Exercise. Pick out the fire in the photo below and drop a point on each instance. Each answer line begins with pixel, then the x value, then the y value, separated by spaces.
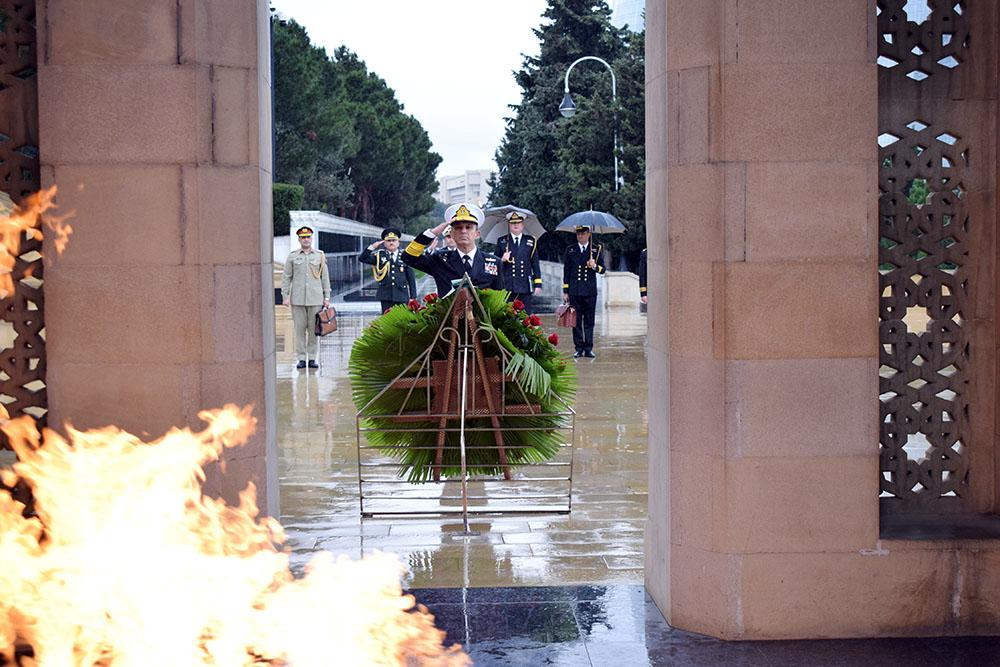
pixel 27 219
pixel 126 563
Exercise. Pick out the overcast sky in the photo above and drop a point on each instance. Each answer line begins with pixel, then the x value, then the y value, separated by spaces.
pixel 451 62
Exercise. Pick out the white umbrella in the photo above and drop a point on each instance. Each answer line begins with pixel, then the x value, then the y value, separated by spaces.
pixel 495 223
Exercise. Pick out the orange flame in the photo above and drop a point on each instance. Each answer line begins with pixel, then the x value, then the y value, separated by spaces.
pixel 126 563
pixel 26 219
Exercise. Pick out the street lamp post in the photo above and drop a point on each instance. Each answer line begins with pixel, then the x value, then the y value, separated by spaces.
pixel 567 108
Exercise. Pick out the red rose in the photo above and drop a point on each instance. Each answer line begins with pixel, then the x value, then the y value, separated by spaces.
pixel 554 338
pixel 414 305
pixel 432 297
pixel 518 305
pixel 535 321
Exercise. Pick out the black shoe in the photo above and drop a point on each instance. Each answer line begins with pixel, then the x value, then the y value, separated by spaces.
pixel 313 364
pixel 301 364
pixel 577 354
pixel 589 354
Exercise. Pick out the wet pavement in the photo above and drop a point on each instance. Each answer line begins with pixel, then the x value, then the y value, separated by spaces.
pixel 599 542
pixel 619 626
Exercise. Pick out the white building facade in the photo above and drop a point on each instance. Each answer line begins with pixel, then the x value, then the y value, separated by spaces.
pixel 472 186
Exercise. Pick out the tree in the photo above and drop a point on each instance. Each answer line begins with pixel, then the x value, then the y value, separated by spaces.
pixel 313 132
pixel 556 166
pixel 342 135
pixel 285 197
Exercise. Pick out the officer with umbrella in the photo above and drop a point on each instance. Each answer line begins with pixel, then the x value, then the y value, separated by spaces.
pixel 583 262
pixel 522 273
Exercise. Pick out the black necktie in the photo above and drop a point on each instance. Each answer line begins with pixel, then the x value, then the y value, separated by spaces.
pixel 515 244
pixel 468 264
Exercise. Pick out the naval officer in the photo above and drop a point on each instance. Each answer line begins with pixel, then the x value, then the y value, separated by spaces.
pixel 465 258
pixel 522 274
pixel 581 266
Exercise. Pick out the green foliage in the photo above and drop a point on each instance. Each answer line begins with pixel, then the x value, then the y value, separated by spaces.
pixel 395 342
pixel 556 166
pixel 285 197
pixel 343 136
pixel 917 191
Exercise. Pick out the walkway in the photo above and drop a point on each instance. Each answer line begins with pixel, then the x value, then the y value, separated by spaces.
pixel 601 541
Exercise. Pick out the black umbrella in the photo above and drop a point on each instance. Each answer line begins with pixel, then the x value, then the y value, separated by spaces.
pixel 598 221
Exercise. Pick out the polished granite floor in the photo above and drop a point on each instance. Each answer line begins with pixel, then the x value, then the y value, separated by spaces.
pixel 600 541
pixel 619 626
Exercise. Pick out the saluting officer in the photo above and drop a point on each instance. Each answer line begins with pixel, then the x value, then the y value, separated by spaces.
pixel 442 285
pixel 522 275
pixel 305 286
pixel 642 276
pixel 580 268
pixel 396 281
pixel 448 265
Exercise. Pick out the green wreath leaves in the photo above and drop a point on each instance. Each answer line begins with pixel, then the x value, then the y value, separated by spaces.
pixel 396 343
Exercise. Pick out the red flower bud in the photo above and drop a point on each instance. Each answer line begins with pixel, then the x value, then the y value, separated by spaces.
pixel 554 338
pixel 432 297
pixel 535 321
pixel 518 305
pixel 413 305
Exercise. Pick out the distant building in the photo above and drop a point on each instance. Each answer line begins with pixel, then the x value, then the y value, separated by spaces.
pixel 472 186
pixel 628 12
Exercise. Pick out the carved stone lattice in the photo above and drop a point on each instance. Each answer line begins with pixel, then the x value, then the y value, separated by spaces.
pixel 917 51
pixel 22 338
pixel 924 262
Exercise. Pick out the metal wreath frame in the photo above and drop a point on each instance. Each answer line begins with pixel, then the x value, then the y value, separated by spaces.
pixel 552 492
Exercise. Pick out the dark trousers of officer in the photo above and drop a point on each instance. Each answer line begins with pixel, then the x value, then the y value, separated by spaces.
pixel 389 304
pixel 525 298
pixel 583 332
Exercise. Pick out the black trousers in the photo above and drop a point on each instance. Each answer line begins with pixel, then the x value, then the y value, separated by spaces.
pixel 583 332
pixel 389 304
pixel 525 298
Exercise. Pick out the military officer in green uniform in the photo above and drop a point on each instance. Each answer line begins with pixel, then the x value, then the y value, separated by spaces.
pixel 522 274
pixel 305 286
pixel 396 281
pixel 581 266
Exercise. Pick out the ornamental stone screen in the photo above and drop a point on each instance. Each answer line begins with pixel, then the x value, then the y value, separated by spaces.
pixel 937 120
pixel 22 342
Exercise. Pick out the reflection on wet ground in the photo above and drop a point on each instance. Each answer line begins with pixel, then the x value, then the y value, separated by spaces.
pixel 600 541
pixel 619 626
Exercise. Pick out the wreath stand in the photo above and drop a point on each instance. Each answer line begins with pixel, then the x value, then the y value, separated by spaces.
pixel 465 385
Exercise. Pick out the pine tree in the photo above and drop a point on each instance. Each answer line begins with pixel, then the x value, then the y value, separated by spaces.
pixel 556 166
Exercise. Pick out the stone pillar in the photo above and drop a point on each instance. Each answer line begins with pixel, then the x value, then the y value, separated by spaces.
pixel 155 125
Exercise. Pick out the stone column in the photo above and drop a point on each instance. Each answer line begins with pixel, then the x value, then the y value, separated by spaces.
pixel 761 207
pixel 762 191
pixel 155 125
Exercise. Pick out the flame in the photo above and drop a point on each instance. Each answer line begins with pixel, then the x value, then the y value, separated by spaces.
pixel 26 219
pixel 126 563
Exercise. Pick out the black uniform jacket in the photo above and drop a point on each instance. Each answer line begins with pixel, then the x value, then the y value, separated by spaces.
pixel 522 273
pixel 578 279
pixel 447 265
pixel 442 285
pixel 642 273
pixel 398 283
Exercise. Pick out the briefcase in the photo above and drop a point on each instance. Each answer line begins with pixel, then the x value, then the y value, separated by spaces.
pixel 566 315
pixel 326 321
